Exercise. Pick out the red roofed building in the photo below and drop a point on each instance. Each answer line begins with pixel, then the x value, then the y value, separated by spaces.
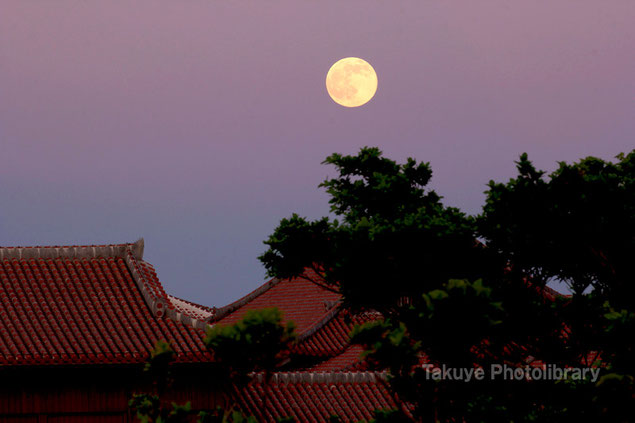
pixel 77 323
pixel 322 327
pixel 83 305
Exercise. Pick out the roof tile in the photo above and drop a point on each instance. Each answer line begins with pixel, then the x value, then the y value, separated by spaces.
pixel 77 305
pixel 314 397
pixel 300 300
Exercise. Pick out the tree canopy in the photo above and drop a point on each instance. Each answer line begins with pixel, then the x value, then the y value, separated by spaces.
pixel 256 343
pixel 388 227
pixel 577 225
pixel 470 290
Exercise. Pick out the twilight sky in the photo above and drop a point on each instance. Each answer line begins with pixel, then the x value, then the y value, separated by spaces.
pixel 199 124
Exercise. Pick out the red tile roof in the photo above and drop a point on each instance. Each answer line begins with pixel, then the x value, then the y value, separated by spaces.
pixel 331 336
pixel 104 304
pixel 323 328
pixel 348 360
pixel 300 300
pixel 88 304
pixel 315 397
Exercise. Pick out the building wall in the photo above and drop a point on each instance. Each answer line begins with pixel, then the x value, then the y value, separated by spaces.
pixel 94 394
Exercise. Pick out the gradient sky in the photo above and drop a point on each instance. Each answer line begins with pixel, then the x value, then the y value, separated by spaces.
pixel 199 124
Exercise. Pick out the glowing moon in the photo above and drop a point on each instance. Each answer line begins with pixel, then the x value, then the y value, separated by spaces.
pixel 351 82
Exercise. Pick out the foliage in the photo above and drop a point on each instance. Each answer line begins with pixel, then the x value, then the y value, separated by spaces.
pixel 388 345
pixel 150 410
pixel 576 226
pixel 454 320
pixel 158 365
pixel 392 228
pixel 224 416
pixel 464 291
pixel 258 342
pixel 389 416
pixel 149 407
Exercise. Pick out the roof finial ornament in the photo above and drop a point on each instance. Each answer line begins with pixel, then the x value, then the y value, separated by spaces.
pixel 137 249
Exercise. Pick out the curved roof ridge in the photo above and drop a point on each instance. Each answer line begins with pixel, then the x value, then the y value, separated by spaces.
pixel 189 308
pixel 73 251
pixel 333 312
pixel 155 296
pixel 219 313
pixel 151 290
pixel 348 360
pixel 328 316
pixel 191 303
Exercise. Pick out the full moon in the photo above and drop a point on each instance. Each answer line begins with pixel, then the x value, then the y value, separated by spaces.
pixel 351 82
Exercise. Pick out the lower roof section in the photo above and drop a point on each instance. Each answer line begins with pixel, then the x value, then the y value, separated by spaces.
pixel 315 397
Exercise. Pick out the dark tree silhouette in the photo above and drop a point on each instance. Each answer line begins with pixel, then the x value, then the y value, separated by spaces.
pixel 469 291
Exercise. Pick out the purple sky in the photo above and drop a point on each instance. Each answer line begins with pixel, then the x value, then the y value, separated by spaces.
pixel 199 124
